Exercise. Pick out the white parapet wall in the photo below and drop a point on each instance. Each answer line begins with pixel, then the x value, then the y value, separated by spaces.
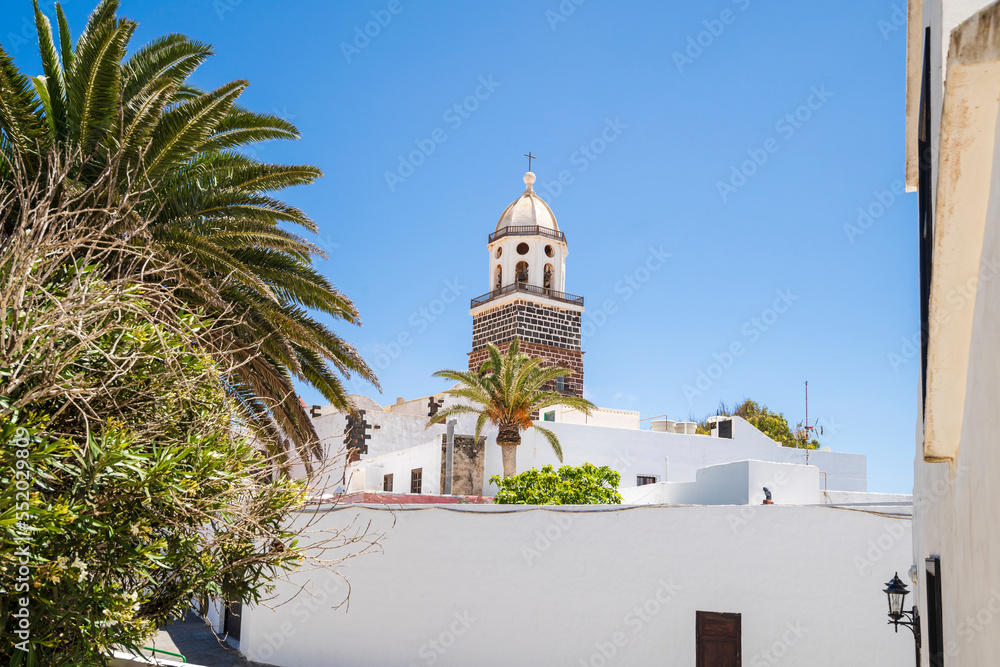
pixel 593 586
pixel 607 417
pixel 737 483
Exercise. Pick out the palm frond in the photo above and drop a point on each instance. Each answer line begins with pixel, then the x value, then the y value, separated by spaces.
pixel 174 57
pixel 183 128
pixel 65 40
pixel 451 411
pixel 201 203
pixel 93 84
pixel 552 439
pixel 185 245
pixel 103 13
pixel 55 82
pixel 242 127
pixel 19 122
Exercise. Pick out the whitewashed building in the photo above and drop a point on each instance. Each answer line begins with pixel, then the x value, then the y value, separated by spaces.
pixel 400 449
pixel 693 568
pixel 594 586
pixel 392 449
pixel 953 160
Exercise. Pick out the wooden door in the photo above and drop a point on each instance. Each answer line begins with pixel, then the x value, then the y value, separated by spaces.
pixel 718 639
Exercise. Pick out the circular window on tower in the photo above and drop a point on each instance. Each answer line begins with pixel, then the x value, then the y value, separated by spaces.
pixel 499 251
pixel 522 248
pixel 548 251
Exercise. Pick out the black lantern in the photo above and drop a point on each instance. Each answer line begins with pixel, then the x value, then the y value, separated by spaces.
pixel 896 591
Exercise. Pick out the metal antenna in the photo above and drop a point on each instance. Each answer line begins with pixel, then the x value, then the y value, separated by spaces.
pixel 807 422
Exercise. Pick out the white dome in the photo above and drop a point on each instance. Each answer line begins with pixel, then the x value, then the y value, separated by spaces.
pixel 528 209
pixel 362 402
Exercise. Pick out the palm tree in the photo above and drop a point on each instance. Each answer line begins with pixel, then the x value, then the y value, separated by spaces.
pixel 507 391
pixel 205 203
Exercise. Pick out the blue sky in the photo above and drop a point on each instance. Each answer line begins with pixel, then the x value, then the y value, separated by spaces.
pixel 649 112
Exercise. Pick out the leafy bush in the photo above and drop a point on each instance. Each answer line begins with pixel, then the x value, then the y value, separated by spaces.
pixel 582 485
pixel 772 424
pixel 122 526
pixel 129 487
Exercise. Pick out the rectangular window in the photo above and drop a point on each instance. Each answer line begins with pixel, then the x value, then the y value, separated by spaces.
pixel 549 416
pixel 387 482
pixel 561 384
pixel 717 639
pixel 643 480
pixel 935 625
pixel 416 480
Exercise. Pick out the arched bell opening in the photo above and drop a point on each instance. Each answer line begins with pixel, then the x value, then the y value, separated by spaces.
pixel 521 273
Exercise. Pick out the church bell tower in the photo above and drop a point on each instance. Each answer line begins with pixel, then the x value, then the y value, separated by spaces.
pixel 527 297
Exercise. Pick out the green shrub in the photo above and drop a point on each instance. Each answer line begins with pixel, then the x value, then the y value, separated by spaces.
pixel 570 485
pixel 127 524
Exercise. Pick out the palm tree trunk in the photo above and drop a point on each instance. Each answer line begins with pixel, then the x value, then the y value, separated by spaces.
pixel 509 437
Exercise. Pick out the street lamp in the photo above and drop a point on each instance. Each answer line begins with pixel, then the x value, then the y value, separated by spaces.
pixel 896 591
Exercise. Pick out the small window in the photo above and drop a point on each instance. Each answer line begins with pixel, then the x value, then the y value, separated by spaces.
pixel 387 482
pixel 499 277
pixel 499 251
pixel 561 384
pixel 416 480
pixel 522 248
pixel 548 251
pixel 549 416
pixel 935 612
pixel 643 480
pixel 547 277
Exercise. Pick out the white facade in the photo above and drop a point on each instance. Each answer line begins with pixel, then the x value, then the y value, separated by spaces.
pixel 591 586
pixel 608 417
pixel 402 444
pixel 956 492
pixel 743 483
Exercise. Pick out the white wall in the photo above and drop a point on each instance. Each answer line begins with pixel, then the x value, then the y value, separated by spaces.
pixel 608 417
pixel 535 257
pixel 216 614
pixel 416 407
pixel 738 483
pixel 493 586
pixel 635 453
pixel 396 431
pixel 630 451
pixel 957 501
pixel 400 464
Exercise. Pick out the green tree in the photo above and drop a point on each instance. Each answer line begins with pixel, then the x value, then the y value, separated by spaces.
pixel 184 157
pixel 122 526
pixel 507 390
pixel 129 488
pixel 772 424
pixel 581 485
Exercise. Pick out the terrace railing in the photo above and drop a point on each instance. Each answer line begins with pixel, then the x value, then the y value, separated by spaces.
pixel 527 230
pixel 528 289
